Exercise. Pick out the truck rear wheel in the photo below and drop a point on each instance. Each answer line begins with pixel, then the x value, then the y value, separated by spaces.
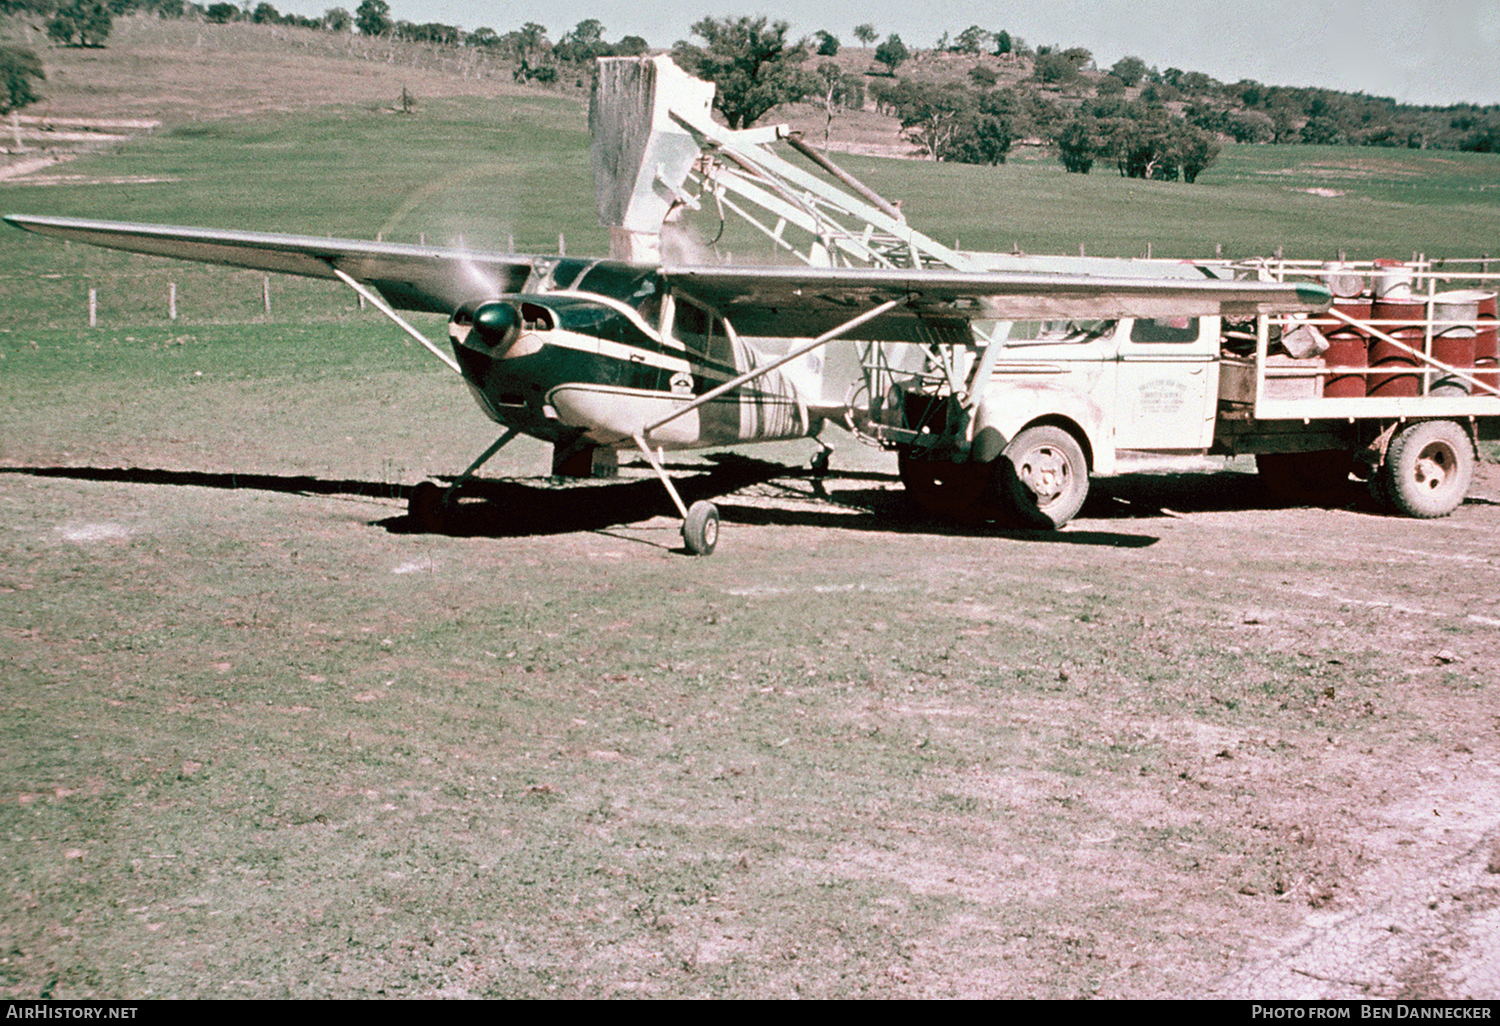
pixel 1305 477
pixel 1042 478
pixel 1428 468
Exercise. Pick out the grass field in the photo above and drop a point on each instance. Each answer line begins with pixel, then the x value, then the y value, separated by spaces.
pixel 501 171
pixel 261 740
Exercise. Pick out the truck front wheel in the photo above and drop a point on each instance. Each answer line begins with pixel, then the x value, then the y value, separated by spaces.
pixel 1042 478
pixel 1428 468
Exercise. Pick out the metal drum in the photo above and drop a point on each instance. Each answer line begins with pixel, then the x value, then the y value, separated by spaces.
pixel 1453 344
pixel 1487 343
pixel 1404 319
pixel 1348 346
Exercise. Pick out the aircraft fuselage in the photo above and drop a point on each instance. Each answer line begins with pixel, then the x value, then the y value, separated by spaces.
pixel 564 364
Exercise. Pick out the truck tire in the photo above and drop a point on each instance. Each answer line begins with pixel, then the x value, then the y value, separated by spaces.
pixel 1428 468
pixel 1041 479
pixel 1314 478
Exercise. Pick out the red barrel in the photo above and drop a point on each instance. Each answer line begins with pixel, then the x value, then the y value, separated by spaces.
pixel 1454 342
pixel 1347 347
pixel 1408 315
pixel 1487 343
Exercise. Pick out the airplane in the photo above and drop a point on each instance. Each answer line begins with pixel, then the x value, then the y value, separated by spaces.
pixel 648 353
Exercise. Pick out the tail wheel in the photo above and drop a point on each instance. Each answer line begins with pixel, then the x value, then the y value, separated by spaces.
pixel 1428 468
pixel 1042 477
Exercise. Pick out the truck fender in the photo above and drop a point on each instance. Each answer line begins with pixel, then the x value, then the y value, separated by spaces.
pixel 1005 410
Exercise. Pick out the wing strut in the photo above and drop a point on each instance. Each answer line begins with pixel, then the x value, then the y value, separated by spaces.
pixel 700 522
pixel 401 322
pixel 764 369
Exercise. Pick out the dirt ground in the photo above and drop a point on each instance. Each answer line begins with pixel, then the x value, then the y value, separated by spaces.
pixel 264 740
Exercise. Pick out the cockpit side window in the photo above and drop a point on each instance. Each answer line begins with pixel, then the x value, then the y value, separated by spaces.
pixel 699 330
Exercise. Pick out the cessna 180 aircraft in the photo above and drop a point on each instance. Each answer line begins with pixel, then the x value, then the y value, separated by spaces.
pixel 649 352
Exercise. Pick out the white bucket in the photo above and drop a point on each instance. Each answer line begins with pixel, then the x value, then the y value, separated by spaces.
pixel 1343 280
pixel 1392 280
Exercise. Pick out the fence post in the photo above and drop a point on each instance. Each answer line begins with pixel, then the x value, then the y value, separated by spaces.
pixel 93 308
pixel 265 294
pixel 172 300
pixel 562 245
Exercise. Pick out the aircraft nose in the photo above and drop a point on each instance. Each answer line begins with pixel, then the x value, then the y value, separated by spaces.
pixel 498 325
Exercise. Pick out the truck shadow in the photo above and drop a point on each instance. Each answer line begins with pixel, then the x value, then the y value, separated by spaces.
pixel 1157 494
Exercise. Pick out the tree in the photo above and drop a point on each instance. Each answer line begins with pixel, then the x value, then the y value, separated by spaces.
pixel 87 21
pixel 1054 69
pixel 932 114
pixel 373 17
pixel 530 46
pixel 221 13
pixel 1109 85
pixel 18 66
pixel 1129 70
pixel 983 77
pixel 1078 144
pixel 750 63
pixel 828 43
pixel 336 19
pixel 1193 150
pixel 866 33
pixel 1002 43
pixel 265 14
pixel 632 46
pixel 583 43
pixel 980 139
pixel 837 91
pixel 971 40
pixel 892 53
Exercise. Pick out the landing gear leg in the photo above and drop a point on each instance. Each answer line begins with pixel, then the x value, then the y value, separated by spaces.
pixel 819 462
pixel 430 502
pixel 700 522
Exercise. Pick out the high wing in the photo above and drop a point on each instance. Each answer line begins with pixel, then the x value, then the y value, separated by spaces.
pixel 806 301
pixel 791 302
pixel 421 278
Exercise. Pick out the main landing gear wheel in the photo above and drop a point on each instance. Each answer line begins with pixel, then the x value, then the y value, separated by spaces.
pixel 1428 468
pixel 700 531
pixel 1042 478
pixel 425 507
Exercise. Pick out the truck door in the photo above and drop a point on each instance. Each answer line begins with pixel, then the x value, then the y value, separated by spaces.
pixel 1167 386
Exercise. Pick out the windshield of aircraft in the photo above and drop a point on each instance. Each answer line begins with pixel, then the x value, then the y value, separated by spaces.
pixel 1038 332
pixel 640 288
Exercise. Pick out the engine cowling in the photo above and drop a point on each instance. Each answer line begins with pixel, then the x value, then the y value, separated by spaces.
pixel 491 326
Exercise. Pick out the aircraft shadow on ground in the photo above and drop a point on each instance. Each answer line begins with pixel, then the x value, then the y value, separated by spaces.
pixel 542 506
pixel 518 508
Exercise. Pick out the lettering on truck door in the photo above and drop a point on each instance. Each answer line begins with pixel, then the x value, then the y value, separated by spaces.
pixel 1167 393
